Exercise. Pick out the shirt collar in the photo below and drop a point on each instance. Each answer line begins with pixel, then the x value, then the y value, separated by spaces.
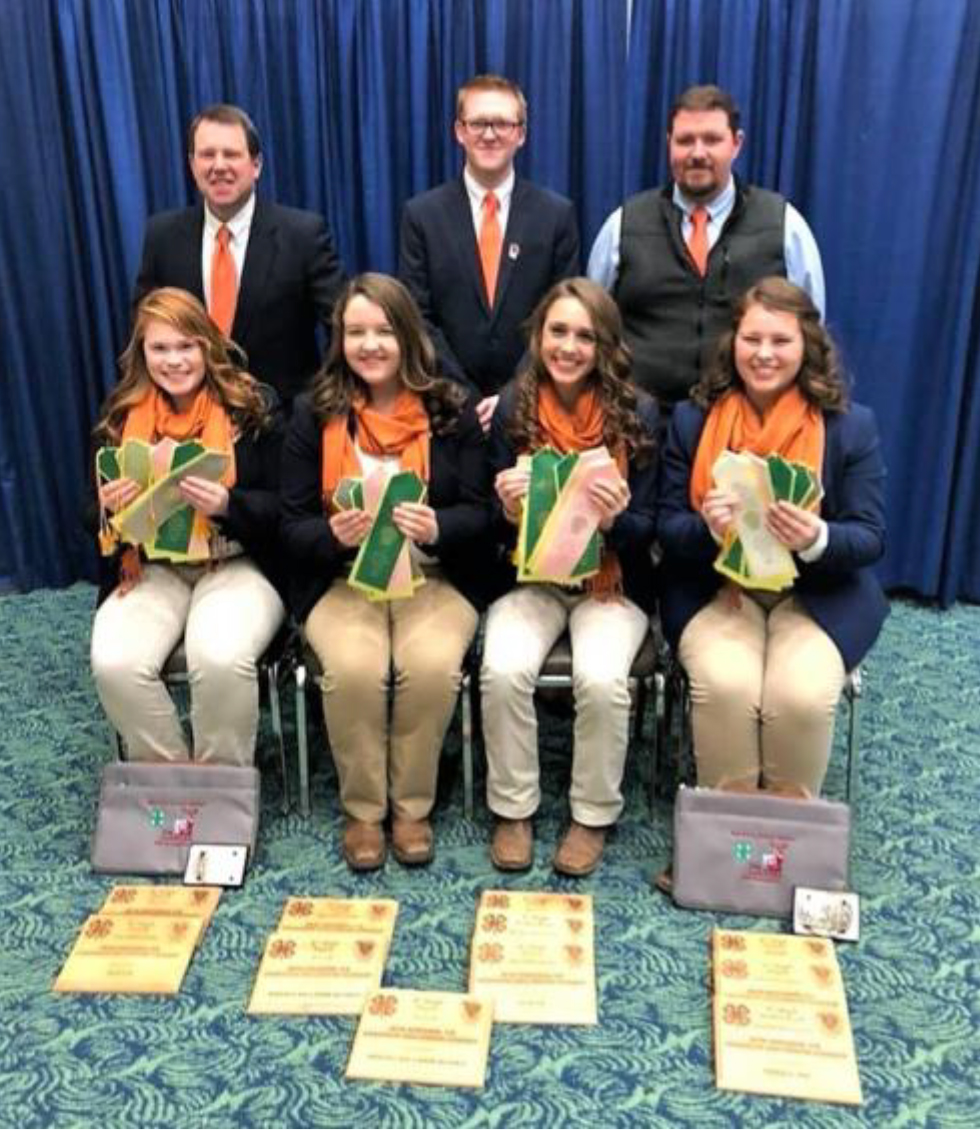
pixel 476 191
pixel 238 225
pixel 720 206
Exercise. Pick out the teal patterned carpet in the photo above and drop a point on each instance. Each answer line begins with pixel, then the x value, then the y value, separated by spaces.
pixel 913 981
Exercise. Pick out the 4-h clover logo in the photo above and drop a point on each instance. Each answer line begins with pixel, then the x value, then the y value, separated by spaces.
pixel 742 851
pixel 157 817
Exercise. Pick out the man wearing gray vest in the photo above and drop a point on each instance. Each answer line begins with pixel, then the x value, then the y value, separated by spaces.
pixel 675 258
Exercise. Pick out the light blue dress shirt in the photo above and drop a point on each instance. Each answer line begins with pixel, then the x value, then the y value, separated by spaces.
pixel 800 251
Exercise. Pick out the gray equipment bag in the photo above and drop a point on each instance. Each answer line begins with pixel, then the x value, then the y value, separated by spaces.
pixel 151 813
pixel 746 852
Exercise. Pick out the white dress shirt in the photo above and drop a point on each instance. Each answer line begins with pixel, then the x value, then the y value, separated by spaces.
pixel 239 227
pixel 476 193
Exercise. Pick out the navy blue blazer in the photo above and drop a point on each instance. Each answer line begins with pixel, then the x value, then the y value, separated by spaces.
pixel 631 534
pixel 290 281
pixel 253 504
pixel 840 590
pixel 458 491
pixel 439 262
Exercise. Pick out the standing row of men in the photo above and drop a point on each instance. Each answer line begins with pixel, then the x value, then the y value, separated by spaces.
pixel 480 251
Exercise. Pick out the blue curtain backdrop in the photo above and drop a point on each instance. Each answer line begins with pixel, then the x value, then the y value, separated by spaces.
pixel 866 113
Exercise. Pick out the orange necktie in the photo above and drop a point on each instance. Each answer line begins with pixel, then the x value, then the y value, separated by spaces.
pixel 491 239
pixel 224 282
pixel 697 242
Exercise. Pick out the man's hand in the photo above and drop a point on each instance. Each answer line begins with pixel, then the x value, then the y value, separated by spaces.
pixel 485 410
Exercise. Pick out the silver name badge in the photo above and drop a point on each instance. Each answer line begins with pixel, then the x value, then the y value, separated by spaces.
pixel 513 251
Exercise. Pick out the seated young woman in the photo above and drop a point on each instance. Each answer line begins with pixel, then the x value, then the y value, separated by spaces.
pixel 179 383
pixel 391 668
pixel 574 394
pixel 766 669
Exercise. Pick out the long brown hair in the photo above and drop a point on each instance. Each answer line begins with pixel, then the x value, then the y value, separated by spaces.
pixel 821 377
pixel 237 391
pixel 335 385
pixel 613 365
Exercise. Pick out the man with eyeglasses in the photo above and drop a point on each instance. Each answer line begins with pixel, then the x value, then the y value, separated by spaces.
pixel 479 252
pixel 675 258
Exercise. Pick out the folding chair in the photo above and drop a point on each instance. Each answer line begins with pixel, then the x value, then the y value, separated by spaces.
pixel 273 665
pixel 556 674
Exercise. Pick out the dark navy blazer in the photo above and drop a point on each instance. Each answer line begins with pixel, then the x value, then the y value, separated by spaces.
pixel 439 262
pixel 840 591
pixel 290 280
pixel 458 491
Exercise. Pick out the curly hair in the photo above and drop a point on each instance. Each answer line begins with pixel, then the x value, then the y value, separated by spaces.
pixel 335 384
pixel 821 377
pixel 237 391
pixel 621 423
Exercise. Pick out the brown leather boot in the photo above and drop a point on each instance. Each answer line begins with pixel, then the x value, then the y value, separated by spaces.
pixel 580 850
pixel 411 841
pixel 512 846
pixel 364 845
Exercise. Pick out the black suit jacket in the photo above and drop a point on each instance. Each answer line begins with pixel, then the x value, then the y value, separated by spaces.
pixel 440 264
pixel 253 503
pixel 458 490
pixel 290 281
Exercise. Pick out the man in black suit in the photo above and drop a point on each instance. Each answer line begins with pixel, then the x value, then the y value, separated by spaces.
pixel 478 266
pixel 285 273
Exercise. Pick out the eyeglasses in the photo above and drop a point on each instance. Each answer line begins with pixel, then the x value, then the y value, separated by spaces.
pixel 500 127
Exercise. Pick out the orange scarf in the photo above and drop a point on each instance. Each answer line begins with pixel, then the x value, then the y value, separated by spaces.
pixel 404 432
pixel 792 427
pixel 153 419
pixel 581 430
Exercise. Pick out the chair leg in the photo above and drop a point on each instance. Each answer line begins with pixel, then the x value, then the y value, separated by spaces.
pixel 466 718
pixel 302 745
pixel 640 689
pixel 638 696
pixel 654 747
pixel 275 708
pixel 852 750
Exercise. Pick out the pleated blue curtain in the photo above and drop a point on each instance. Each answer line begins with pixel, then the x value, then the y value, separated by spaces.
pixel 354 100
pixel 866 114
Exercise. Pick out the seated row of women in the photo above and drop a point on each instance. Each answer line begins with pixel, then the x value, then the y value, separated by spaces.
pixel 765 668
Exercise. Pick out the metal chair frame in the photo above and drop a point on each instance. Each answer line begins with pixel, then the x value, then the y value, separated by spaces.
pixel 643 685
pixel 273 666
pixel 676 716
pixel 305 672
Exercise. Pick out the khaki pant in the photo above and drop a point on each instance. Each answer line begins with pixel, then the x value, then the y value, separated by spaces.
pixel 391 676
pixel 522 628
pixel 764 691
pixel 227 616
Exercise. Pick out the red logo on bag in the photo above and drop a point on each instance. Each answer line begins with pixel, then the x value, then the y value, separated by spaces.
pixel 174 825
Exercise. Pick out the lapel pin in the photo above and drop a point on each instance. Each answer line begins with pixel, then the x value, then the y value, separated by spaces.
pixel 513 251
